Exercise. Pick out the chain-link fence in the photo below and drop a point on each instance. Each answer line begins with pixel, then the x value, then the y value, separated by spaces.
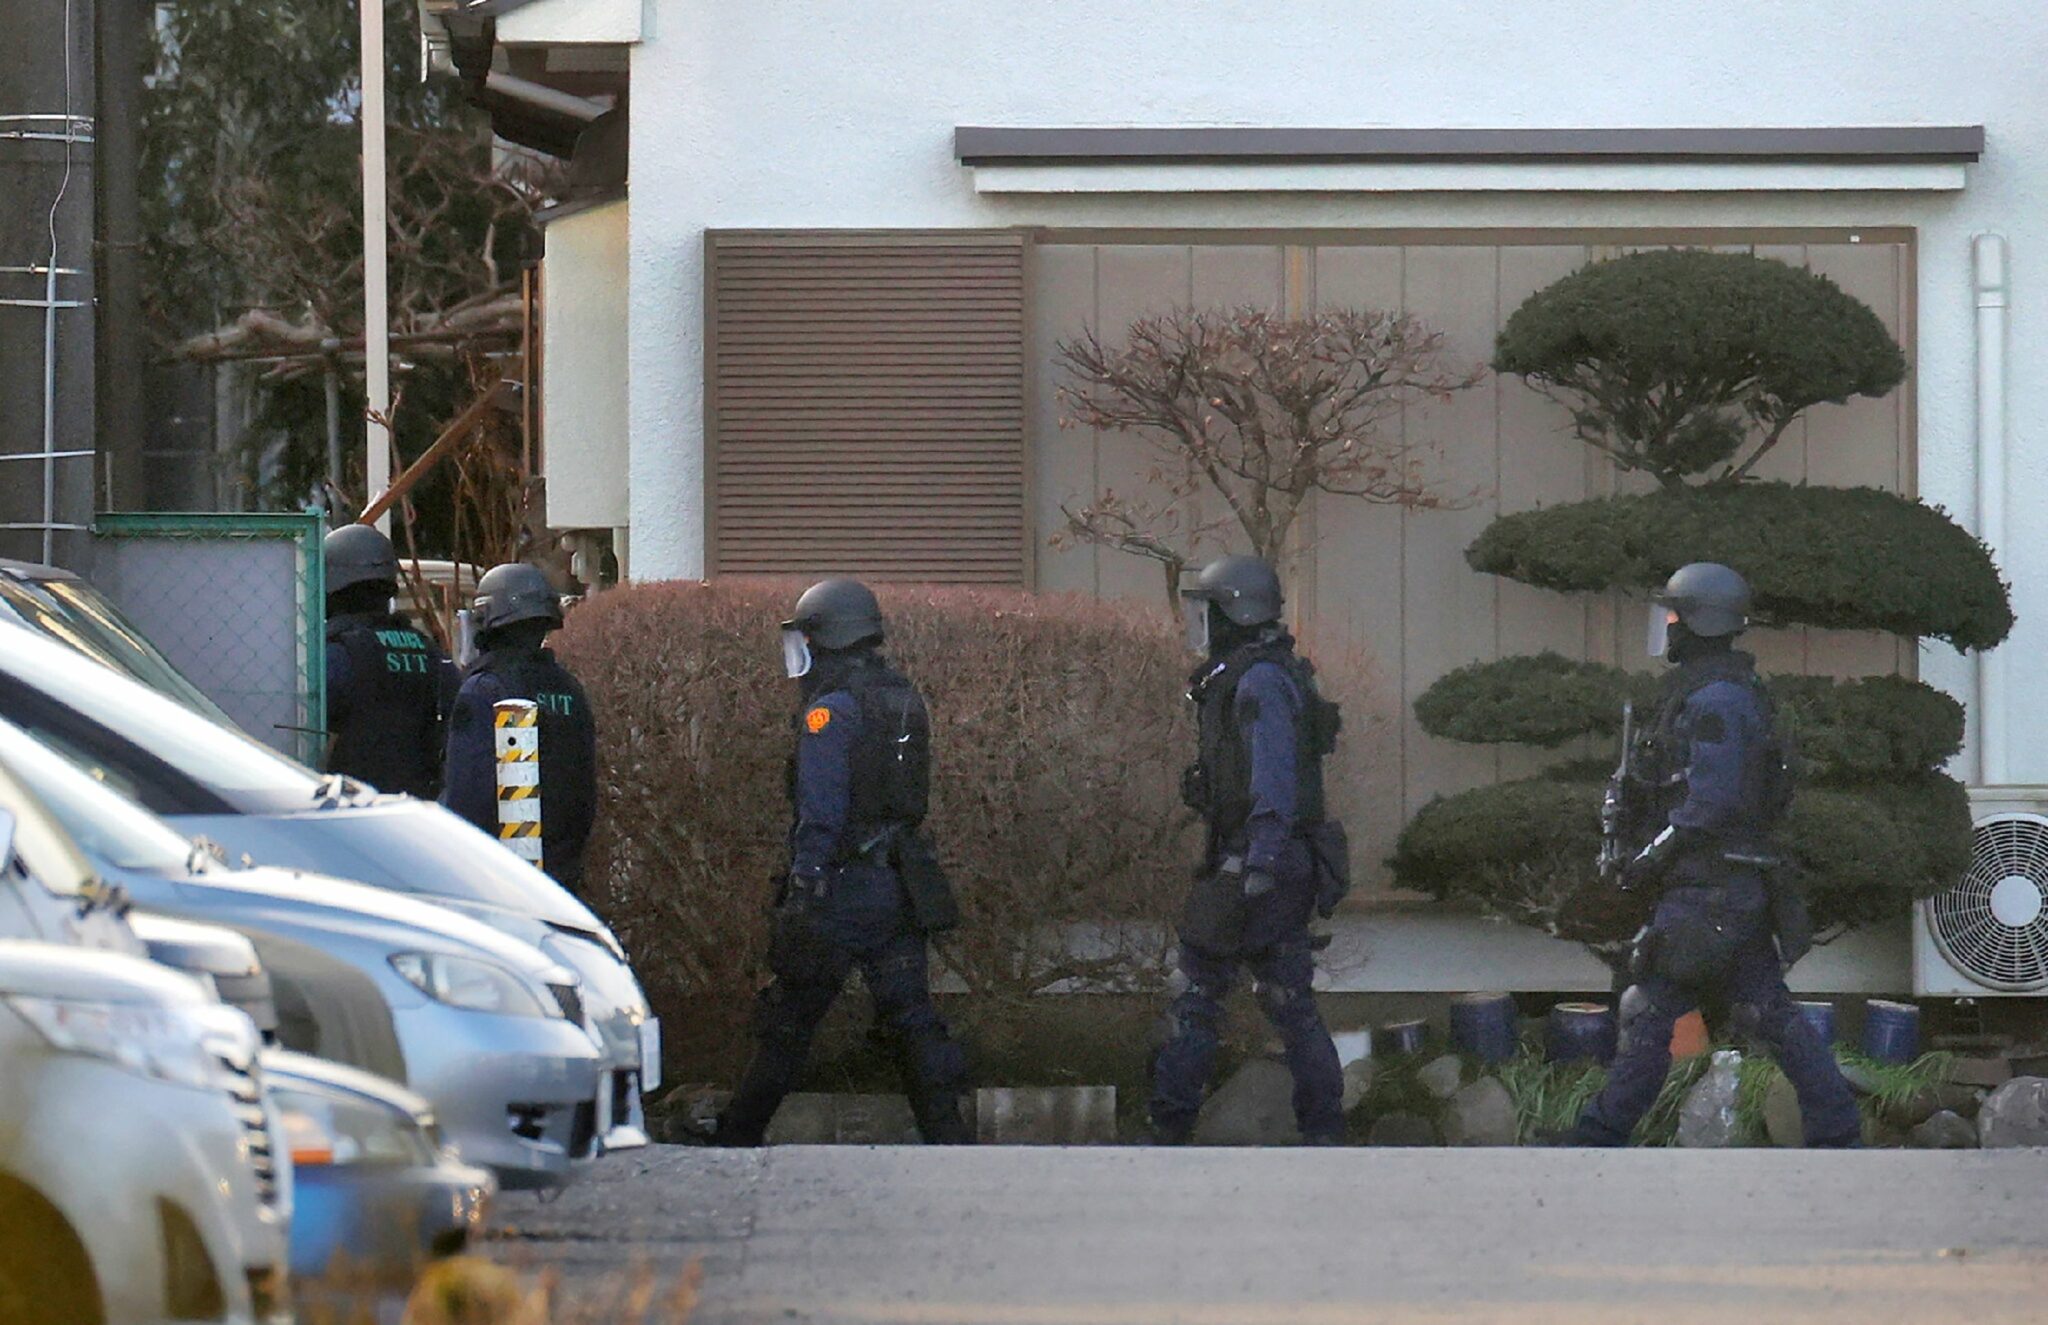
pixel 238 604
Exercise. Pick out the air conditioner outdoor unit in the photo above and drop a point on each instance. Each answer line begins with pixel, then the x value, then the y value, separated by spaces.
pixel 1987 936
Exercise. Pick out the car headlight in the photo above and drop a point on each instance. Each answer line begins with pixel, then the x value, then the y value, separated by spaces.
pixel 179 1045
pixel 468 982
pixel 327 1129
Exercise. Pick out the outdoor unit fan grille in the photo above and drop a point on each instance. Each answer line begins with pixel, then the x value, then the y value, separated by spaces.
pixel 1993 926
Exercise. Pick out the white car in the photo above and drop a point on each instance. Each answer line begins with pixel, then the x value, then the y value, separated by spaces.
pixel 140 1176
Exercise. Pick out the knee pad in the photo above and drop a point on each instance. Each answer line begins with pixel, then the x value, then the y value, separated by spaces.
pixel 1634 1003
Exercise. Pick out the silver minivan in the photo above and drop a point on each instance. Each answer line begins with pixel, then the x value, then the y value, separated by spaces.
pixel 210 781
pixel 151 1184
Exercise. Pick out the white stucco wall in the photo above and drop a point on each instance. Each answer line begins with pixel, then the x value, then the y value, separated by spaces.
pixel 585 456
pixel 818 113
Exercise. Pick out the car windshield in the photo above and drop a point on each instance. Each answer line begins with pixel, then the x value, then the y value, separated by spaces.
pixel 74 613
pixel 221 759
pixel 102 821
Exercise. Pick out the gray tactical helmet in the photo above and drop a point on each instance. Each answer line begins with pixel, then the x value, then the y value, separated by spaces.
pixel 836 614
pixel 358 554
pixel 1710 599
pixel 1245 589
pixel 512 593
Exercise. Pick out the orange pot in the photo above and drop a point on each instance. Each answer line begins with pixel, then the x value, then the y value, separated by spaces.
pixel 1688 1036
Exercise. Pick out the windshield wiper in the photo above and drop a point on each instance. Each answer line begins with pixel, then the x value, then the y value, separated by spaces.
pixel 337 787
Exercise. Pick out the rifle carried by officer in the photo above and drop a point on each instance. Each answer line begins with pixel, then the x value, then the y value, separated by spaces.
pixel 1614 851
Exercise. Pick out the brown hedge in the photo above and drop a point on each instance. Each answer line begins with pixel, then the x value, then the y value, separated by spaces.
pixel 1059 731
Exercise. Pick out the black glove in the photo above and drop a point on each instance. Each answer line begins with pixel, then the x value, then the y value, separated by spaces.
pixel 803 893
pixel 1651 863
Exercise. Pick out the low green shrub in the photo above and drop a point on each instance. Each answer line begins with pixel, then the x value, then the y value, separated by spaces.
pixel 1520 849
pixel 1541 699
pixel 1871 729
pixel 1669 358
pixel 1846 558
pixel 1844 733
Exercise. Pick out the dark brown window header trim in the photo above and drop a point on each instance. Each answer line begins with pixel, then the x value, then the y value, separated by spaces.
pixel 1901 144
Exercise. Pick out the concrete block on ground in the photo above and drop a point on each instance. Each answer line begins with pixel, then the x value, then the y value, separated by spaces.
pixel 810 1119
pixel 1481 1114
pixel 1045 1115
pixel 1254 1108
pixel 2016 1114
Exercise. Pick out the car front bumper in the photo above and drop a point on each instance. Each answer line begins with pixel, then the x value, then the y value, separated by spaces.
pixel 378 1222
pixel 616 1014
pixel 520 1096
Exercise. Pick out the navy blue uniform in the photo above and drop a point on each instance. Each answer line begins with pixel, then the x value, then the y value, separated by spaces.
pixel 843 909
pixel 387 687
pixel 1712 935
pixel 1254 775
pixel 568 752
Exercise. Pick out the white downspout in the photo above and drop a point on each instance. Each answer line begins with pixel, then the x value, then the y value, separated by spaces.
pixel 376 292
pixel 1988 252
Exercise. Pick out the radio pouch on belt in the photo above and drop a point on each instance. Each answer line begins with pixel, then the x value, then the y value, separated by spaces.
pixel 924 881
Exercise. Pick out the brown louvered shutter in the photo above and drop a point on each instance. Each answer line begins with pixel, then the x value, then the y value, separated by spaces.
pixel 865 405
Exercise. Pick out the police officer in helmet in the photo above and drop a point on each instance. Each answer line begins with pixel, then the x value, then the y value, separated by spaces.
pixel 514 610
pixel 862 890
pixel 1714 770
pixel 387 682
pixel 1270 854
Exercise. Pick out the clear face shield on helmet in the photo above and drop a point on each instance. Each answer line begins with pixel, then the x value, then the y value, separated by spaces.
pixel 796 654
pixel 1196 612
pixel 1662 618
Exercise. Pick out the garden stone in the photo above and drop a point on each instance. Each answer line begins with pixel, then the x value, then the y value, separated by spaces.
pixel 1944 1131
pixel 1402 1129
pixel 1358 1078
pixel 1927 1101
pixel 1481 1114
pixel 1782 1119
pixel 1860 1078
pixel 2015 1115
pixel 1706 1121
pixel 1254 1108
pixel 1441 1077
pixel 1990 1073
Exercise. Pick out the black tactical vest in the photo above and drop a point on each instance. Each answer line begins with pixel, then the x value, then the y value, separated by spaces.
pixel 892 756
pixel 1219 784
pixel 1767 778
pixel 568 736
pixel 391 736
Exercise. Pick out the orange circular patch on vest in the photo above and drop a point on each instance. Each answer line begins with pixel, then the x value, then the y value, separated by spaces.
pixel 818 719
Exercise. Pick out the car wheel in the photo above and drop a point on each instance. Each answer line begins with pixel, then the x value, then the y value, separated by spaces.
pixel 45 1276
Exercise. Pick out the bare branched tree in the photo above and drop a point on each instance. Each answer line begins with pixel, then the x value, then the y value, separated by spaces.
pixel 1262 412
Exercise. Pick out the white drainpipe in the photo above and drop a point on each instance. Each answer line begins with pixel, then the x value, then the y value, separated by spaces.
pixel 1988 251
